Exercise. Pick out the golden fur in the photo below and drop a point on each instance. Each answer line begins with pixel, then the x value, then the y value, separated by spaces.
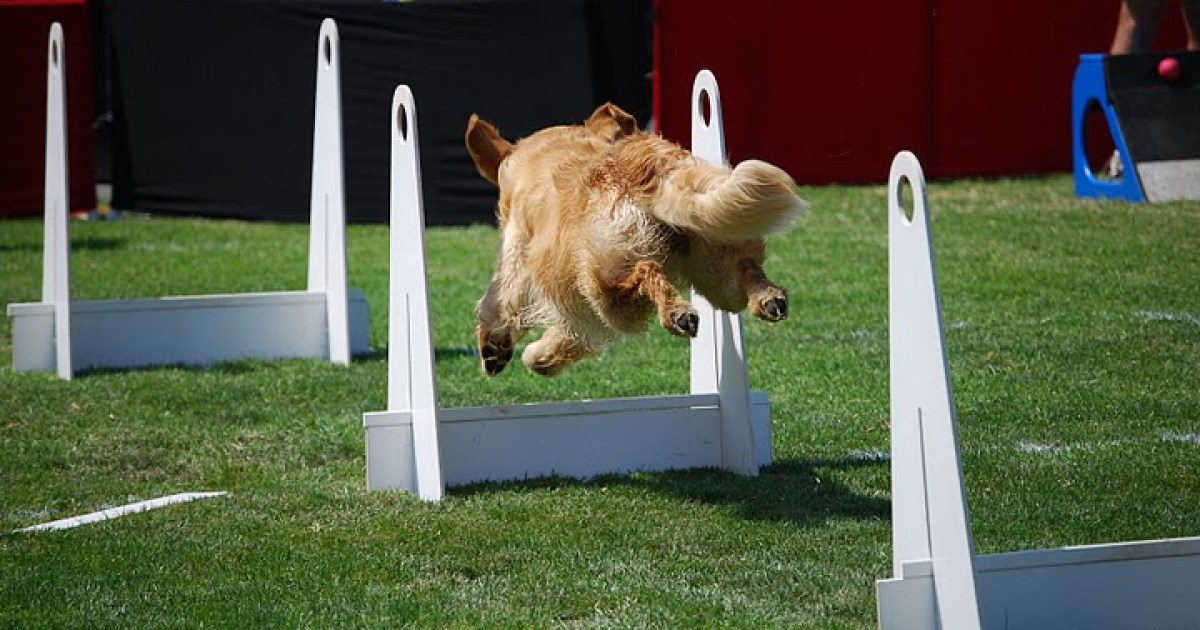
pixel 603 226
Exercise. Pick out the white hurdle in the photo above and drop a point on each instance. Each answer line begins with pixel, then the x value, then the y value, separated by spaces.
pixel 938 580
pixel 419 447
pixel 324 321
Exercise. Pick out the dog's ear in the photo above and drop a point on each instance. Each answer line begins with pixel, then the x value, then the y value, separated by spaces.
pixel 611 122
pixel 487 148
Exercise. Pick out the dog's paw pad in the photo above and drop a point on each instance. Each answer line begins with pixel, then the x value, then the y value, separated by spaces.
pixel 770 304
pixel 495 358
pixel 689 323
pixel 683 323
pixel 493 366
pixel 773 309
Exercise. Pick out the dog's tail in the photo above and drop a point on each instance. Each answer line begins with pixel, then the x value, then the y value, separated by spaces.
pixel 749 202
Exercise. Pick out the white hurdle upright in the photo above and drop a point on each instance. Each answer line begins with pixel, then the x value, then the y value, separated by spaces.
pixel 324 321
pixel 419 447
pixel 938 580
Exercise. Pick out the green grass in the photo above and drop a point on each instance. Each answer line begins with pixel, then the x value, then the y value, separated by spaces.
pixel 1074 339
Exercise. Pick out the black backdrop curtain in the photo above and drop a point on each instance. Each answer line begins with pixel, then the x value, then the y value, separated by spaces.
pixel 212 100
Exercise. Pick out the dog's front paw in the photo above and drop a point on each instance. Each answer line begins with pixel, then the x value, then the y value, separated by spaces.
pixel 682 321
pixel 770 305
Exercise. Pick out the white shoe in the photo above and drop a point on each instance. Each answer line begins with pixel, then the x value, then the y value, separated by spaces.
pixel 1114 168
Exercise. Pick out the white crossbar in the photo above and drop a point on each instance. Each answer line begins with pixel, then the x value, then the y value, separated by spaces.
pixel 569 439
pixel 185 330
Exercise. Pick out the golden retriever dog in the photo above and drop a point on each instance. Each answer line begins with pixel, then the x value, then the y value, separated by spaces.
pixel 604 225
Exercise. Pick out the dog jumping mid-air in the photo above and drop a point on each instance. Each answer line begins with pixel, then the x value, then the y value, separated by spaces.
pixel 603 225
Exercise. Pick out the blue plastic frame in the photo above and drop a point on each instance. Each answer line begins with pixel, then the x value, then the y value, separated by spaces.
pixel 1091 87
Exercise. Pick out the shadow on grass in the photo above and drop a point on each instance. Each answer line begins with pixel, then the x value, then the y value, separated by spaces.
pixel 439 353
pixel 456 352
pixel 115 370
pixel 801 492
pixel 78 244
pixel 233 367
pixel 372 355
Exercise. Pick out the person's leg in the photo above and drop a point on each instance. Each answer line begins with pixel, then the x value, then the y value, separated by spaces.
pixel 1137 23
pixel 1191 21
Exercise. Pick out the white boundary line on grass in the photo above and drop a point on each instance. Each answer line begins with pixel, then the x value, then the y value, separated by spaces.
pixel 132 508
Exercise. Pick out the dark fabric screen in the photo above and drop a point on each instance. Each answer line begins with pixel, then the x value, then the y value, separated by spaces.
pixel 212 100
pixel 1158 116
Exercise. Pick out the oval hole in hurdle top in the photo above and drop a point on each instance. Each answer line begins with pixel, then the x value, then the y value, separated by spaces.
pixel 704 107
pixel 327 48
pixel 54 54
pixel 402 122
pixel 904 199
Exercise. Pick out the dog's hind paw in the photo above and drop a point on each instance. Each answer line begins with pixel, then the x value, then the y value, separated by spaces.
pixel 544 367
pixel 494 355
pixel 683 322
pixel 495 359
pixel 770 305
pixel 493 366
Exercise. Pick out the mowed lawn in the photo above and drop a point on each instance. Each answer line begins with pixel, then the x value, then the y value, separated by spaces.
pixel 1073 330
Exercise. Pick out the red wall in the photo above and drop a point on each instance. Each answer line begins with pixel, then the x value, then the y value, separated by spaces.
pixel 24 33
pixel 831 91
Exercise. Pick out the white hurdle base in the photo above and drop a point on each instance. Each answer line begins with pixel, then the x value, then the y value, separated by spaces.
pixel 580 440
pixel 1145 584
pixel 188 330
pixel 938 580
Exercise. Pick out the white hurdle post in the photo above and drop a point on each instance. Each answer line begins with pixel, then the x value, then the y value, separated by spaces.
pixel 325 321
pixel 327 236
pixel 417 446
pixel 412 373
pixel 938 580
pixel 929 511
pixel 56 258
pixel 718 359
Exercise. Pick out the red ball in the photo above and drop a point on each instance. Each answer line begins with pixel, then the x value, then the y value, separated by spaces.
pixel 1169 68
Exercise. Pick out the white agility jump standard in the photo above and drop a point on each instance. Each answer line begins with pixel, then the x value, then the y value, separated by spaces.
pixel 938 580
pixel 419 447
pixel 325 321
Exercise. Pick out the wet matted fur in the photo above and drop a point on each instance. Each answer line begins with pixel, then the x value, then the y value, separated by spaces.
pixel 603 226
